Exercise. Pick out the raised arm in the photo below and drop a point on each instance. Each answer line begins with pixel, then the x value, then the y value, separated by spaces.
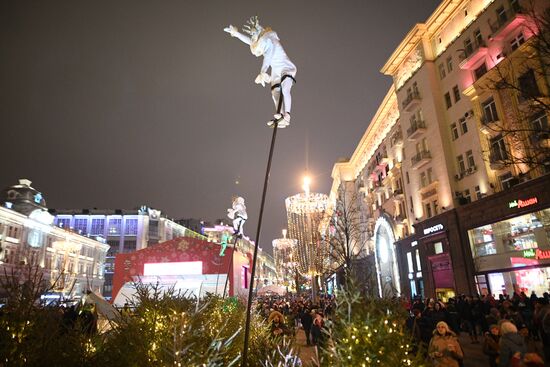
pixel 234 32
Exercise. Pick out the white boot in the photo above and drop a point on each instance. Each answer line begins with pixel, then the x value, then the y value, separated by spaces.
pixel 276 118
pixel 285 121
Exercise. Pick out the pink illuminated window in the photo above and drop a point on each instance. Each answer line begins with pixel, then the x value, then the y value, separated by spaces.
pixel 517 41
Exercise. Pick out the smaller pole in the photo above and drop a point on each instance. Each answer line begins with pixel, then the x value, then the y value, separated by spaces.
pixel 230 267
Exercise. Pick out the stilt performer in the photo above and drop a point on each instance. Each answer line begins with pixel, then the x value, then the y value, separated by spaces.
pixel 237 212
pixel 265 42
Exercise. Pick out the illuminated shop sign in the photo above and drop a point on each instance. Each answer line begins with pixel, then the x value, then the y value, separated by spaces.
pixel 537 254
pixel 523 203
pixel 432 229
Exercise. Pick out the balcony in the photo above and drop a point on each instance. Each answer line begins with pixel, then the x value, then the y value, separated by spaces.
pixel 411 101
pixel 497 158
pixel 416 129
pixel 490 125
pixel 397 139
pixel 398 194
pixel 429 190
pixel 472 54
pixel 420 159
pixel 506 23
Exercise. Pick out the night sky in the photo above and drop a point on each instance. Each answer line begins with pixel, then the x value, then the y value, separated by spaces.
pixel 118 104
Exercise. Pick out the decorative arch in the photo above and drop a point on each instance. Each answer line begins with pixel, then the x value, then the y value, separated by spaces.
pixel 384 253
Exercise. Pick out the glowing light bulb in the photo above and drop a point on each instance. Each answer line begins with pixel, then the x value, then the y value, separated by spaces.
pixel 307 182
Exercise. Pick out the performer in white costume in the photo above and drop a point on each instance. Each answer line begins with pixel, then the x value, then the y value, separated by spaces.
pixel 238 213
pixel 265 42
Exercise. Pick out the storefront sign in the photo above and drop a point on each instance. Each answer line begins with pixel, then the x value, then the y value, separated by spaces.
pixel 432 229
pixel 537 254
pixel 523 203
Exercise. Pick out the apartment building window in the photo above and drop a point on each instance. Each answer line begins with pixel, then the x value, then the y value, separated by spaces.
pixel 435 205
pixel 514 4
pixel 528 85
pixel 454 131
pixel 81 225
pixel 442 71
pixel 501 14
pixel 506 180
pixel 478 192
pixel 517 41
pixel 461 165
pixel 411 204
pixel 428 210
pixel 456 93
pixel 448 101
pixel 410 262
pixel 415 88
pixel 467 196
pixel 468 47
pixel 463 125
pixel 539 123
pixel 429 175
pixel 478 38
pixel 498 149
pixel 470 159
pixel 480 71
pixel 131 227
pixel 449 64
pixel 490 110
pixel 423 179
pixel 98 226
pixel 407 178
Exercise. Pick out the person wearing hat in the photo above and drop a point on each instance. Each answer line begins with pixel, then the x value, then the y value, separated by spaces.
pixel 491 344
pixel 444 348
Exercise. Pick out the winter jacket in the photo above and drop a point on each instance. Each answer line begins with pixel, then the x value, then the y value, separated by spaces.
pixel 441 344
pixel 491 347
pixel 510 344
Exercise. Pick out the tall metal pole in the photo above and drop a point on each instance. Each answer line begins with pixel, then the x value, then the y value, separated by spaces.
pixel 258 231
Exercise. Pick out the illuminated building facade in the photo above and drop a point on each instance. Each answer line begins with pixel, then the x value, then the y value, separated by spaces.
pixel 70 262
pixel 305 212
pixel 446 74
pixel 123 230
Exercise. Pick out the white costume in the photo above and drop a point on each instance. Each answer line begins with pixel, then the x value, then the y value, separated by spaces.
pixel 238 214
pixel 266 43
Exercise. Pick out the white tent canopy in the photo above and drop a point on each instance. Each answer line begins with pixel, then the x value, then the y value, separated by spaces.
pixel 276 289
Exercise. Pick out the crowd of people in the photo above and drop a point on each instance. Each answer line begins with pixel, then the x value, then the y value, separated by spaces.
pixel 511 330
pixel 286 314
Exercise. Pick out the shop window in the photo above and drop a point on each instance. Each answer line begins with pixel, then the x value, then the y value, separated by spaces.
pixel 418 264
pixel 410 262
pixel 438 248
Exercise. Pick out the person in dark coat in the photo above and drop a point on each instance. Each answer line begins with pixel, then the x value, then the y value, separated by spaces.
pixel 307 320
pixel 511 344
pixel 491 345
